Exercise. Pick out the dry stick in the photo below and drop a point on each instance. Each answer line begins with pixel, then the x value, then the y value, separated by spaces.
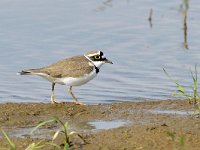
pixel 150 17
pixel 185 29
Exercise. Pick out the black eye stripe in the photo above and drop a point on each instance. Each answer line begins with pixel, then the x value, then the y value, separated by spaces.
pixel 101 53
pixel 97 58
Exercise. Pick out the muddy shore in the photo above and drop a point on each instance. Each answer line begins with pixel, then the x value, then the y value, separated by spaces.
pixel 150 125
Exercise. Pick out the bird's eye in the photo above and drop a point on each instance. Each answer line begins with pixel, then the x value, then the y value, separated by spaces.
pixel 97 57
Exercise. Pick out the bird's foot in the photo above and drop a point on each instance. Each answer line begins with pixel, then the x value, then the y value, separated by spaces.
pixel 79 103
pixel 53 101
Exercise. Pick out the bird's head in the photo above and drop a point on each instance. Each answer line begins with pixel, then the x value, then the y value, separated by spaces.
pixel 97 58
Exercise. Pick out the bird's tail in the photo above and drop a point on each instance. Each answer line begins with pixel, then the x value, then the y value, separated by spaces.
pixel 24 72
pixel 29 72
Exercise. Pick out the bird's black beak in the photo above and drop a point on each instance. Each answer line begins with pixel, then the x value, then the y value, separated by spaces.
pixel 108 61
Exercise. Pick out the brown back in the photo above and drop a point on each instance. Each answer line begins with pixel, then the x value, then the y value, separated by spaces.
pixel 75 66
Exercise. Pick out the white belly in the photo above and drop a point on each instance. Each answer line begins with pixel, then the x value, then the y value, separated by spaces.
pixel 70 81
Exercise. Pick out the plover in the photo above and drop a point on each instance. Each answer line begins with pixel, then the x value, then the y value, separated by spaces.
pixel 73 71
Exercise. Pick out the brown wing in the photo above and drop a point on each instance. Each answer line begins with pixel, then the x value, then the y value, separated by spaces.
pixel 75 66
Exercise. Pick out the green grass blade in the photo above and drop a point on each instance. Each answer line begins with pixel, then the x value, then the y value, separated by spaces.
pixel 194 77
pixel 42 123
pixel 34 146
pixel 40 145
pixel 31 146
pixel 180 87
pixel 66 125
pixel 56 118
pixel 11 144
pixel 195 84
pixel 66 146
pixel 182 142
pixel 166 73
pixel 181 91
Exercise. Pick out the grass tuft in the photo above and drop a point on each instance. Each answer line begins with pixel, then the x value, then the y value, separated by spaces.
pixel 41 144
pixel 193 98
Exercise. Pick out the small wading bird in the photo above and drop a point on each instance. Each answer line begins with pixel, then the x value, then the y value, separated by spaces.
pixel 74 71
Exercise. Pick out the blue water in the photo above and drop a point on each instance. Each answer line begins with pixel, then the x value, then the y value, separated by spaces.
pixel 105 125
pixel 36 33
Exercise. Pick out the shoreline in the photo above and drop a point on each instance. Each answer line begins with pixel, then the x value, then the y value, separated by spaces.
pixel 147 124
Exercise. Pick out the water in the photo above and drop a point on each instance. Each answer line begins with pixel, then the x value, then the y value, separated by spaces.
pixel 36 33
pixel 26 133
pixel 95 125
pixel 105 125
pixel 173 112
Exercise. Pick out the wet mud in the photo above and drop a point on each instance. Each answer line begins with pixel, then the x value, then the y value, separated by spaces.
pixel 156 125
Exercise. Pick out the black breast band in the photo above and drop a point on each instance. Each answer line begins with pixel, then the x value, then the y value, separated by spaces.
pixel 97 69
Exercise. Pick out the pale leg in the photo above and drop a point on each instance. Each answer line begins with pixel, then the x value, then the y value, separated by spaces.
pixel 53 101
pixel 76 101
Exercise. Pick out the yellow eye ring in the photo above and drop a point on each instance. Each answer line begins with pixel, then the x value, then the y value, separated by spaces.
pixel 97 57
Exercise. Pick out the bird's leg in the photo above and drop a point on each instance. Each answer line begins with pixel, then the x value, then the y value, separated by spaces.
pixel 53 101
pixel 76 101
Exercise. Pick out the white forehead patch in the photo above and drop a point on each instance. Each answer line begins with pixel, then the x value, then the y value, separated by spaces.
pixel 90 55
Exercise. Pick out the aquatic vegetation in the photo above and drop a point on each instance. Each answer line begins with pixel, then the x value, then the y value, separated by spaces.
pixel 184 7
pixel 41 144
pixel 193 98
pixel 150 18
